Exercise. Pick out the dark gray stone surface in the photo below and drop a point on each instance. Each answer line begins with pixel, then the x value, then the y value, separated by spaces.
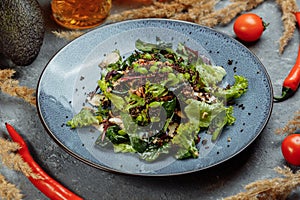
pixel 256 162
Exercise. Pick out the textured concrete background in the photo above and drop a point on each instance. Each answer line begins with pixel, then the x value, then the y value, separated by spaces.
pixel 254 163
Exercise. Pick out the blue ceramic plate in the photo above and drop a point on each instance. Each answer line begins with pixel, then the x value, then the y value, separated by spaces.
pixel 73 73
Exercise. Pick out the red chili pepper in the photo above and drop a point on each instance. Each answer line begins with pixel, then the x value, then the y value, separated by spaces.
pixel 292 81
pixel 47 185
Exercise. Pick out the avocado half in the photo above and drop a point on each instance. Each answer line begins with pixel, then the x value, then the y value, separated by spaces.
pixel 21 30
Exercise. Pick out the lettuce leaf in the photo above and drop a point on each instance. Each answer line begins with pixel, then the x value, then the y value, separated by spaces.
pixel 212 116
pixel 123 148
pixel 152 154
pixel 84 118
pixel 116 100
pixel 235 91
pixel 222 119
pixel 113 134
pixel 149 47
pixel 201 113
pixel 185 140
pixel 211 75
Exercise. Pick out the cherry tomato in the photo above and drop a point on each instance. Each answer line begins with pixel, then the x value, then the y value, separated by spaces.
pixel 290 148
pixel 249 27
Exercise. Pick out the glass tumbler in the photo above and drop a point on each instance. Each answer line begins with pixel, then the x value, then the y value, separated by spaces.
pixel 80 14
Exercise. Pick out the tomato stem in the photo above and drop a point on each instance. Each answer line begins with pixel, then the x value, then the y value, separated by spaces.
pixel 265 25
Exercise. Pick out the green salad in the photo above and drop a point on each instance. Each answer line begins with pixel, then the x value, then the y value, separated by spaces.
pixel 157 100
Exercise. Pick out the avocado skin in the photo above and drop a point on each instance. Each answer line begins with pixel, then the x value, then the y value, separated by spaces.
pixel 21 30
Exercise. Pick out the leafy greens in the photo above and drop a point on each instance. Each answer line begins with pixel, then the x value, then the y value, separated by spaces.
pixel 157 100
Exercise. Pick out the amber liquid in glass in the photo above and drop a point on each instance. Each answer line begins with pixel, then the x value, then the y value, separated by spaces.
pixel 80 14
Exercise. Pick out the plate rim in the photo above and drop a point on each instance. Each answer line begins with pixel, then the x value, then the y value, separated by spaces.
pixel 101 167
